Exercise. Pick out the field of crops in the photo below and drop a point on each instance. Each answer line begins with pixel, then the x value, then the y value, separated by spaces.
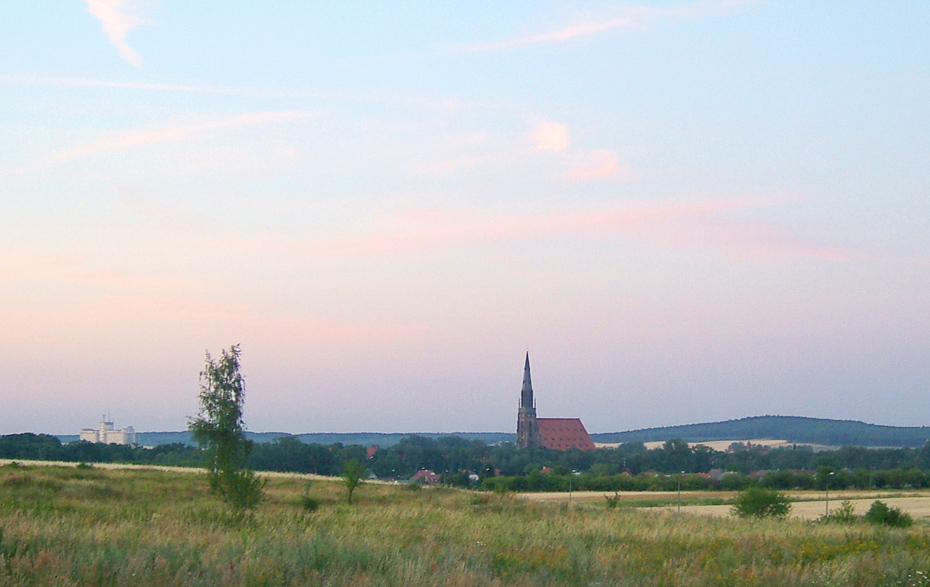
pixel 90 526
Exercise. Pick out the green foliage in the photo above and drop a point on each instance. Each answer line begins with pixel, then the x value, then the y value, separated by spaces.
pixel 614 501
pixel 352 472
pixel 761 503
pixel 881 513
pixel 219 428
pixel 307 501
pixel 845 514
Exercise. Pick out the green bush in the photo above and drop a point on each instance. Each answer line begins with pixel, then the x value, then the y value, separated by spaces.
pixel 845 514
pixel 614 501
pixel 880 513
pixel 761 503
pixel 309 503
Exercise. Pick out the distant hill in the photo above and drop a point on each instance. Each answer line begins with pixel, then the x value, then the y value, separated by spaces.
pixel 790 428
pixel 382 439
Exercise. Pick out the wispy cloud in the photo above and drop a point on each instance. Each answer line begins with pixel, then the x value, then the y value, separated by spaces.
pixel 690 225
pixel 117 19
pixel 128 140
pixel 597 164
pixel 15 266
pixel 623 18
pixel 78 82
pixel 550 136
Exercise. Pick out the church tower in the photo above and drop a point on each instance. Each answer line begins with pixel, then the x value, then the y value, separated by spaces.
pixel 527 427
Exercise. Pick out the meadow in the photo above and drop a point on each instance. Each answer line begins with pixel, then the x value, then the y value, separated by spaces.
pixel 94 526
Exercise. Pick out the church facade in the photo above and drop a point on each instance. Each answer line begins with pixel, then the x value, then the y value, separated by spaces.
pixel 552 433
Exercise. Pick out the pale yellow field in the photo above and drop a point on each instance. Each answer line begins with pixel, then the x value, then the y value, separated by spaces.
pixel 918 507
pixel 588 496
pixel 129 466
pixel 723 445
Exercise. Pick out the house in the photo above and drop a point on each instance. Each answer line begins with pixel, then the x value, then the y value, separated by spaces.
pixel 425 476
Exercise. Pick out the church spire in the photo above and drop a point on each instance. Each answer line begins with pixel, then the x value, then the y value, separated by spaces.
pixel 527 426
pixel 526 396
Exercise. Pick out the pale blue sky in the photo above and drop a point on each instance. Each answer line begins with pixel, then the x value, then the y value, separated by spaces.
pixel 685 211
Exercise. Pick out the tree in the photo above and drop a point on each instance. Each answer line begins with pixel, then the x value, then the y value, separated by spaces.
pixel 761 503
pixel 220 430
pixel 352 472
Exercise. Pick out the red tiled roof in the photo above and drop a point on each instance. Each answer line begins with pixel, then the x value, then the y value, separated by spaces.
pixel 564 433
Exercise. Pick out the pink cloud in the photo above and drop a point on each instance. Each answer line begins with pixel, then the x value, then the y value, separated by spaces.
pixel 26 266
pixel 598 164
pixel 72 269
pixel 159 314
pixel 630 17
pixel 117 21
pixel 550 136
pixel 160 216
pixel 696 225
pixel 315 330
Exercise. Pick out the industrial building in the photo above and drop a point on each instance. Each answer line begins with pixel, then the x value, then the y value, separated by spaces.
pixel 105 433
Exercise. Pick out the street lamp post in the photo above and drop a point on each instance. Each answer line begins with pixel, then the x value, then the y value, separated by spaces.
pixel 679 492
pixel 827 490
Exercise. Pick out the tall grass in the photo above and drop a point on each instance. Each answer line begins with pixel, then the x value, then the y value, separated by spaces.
pixel 63 526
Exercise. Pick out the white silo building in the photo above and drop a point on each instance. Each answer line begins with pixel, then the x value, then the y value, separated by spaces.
pixel 105 433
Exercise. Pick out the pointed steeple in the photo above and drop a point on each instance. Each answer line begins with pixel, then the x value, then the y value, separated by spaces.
pixel 527 426
pixel 526 396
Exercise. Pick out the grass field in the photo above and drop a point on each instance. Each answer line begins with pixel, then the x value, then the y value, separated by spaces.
pixel 91 526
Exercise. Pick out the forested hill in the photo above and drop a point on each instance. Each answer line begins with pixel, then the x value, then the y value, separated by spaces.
pixel 790 428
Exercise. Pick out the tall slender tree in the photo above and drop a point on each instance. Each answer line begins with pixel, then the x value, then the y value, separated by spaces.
pixel 219 429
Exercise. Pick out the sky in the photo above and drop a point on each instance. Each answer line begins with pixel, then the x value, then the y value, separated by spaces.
pixel 684 211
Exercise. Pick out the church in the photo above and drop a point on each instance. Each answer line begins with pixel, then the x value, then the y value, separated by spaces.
pixel 552 433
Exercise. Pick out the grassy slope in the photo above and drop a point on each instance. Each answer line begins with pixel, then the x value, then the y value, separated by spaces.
pixel 78 527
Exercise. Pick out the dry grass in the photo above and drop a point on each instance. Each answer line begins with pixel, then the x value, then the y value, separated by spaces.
pixel 67 526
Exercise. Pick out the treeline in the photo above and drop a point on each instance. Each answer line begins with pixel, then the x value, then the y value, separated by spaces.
pixel 285 454
pixel 823 478
pixel 629 466
pixel 43 447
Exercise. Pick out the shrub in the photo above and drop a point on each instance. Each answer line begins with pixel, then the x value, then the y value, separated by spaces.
pixel 845 514
pixel 614 501
pixel 761 503
pixel 880 513
pixel 352 471
pixel 307 501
